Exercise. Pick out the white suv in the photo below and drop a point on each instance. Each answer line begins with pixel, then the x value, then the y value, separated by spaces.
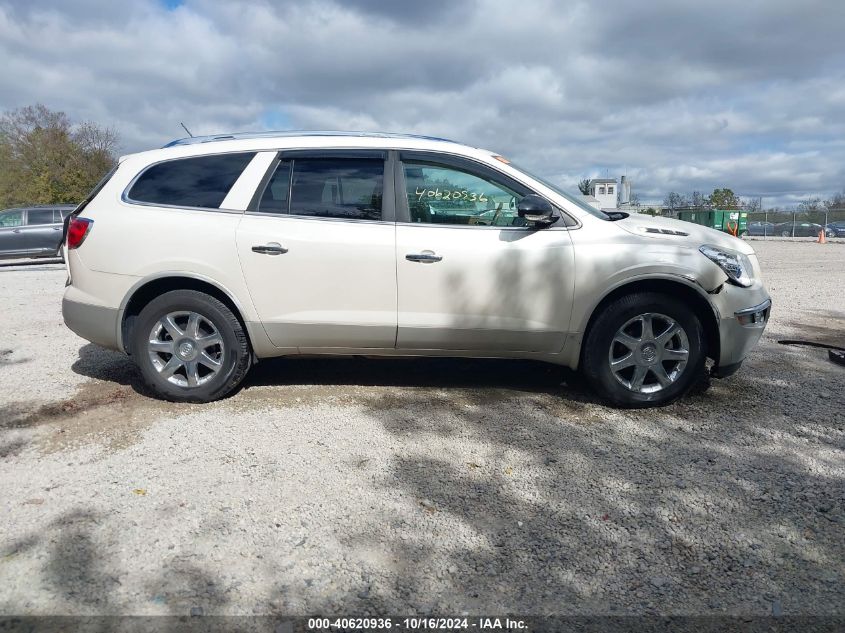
pixel 203 257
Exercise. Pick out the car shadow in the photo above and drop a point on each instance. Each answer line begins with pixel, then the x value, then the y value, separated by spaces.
pixel 110 366
pixel 516 375
pixel 519 375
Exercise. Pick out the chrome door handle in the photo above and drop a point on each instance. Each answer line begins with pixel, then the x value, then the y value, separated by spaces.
pixel 273 248
pixel 425 258
pixel 16 230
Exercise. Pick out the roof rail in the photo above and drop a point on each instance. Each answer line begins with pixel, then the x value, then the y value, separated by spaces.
pixel 193 140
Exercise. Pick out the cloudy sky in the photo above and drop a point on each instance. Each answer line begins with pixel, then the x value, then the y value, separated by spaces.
pixel 680 95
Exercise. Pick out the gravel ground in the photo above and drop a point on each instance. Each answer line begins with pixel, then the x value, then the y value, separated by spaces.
pixel 360 486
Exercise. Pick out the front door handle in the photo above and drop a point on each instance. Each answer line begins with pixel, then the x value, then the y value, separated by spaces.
pixel 273 248
pixel 426 257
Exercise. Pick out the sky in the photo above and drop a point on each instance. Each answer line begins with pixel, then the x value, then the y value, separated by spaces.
pixel 680 96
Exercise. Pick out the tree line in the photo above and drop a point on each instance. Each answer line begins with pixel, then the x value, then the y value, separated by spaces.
pixel 45 158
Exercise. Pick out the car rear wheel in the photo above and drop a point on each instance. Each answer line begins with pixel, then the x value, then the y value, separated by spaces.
pixel 190 347
pixel 644 349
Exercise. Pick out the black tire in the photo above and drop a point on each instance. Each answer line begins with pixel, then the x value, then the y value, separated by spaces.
pixel 595 355
pixel 235 354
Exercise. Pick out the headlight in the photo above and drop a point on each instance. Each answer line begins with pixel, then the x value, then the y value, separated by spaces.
pixel 736 265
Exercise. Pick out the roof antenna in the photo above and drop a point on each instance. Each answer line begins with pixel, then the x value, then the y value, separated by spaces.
pixel 186 129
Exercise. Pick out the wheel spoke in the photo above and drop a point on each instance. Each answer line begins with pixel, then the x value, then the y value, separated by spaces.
pixel 192 373
pixel 648 331
pixel 668 333
pixel 172 365
pixel 193 327
pixel 675 354
pixel 169 324
pixel 638 377
pixel 662 377
pixel 209 362
pixel 628 341
pixel 209 341
pixel 622 363
pixel 161 346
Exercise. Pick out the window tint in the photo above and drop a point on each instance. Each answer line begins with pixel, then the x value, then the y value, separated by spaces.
pixel 202 181
pixel 39 216
pixel 275 196
pixel 349 188
pixel 13 218
pixel 445 195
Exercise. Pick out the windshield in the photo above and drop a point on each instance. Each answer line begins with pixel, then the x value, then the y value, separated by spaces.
pixel 582 204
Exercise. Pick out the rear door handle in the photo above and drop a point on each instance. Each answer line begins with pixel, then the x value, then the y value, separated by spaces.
pixel 426 257
pixel 273 248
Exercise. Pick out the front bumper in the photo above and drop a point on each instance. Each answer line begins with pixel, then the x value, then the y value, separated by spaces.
pixel 740 328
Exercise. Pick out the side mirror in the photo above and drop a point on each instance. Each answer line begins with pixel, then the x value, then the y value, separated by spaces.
pixel 536 210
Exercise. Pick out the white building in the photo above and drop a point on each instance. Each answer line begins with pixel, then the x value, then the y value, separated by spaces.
pixel 605 191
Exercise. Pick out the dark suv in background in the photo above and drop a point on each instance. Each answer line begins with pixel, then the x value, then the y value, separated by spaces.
pixel 32 231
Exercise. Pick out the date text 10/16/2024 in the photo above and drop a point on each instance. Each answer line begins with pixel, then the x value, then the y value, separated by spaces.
pixel 415 624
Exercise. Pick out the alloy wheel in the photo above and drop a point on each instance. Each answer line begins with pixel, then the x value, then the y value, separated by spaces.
pixel 649 353
pixel 186 348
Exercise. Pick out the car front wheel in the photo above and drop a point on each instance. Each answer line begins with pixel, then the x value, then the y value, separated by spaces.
pixel 643 350
pixel 190 347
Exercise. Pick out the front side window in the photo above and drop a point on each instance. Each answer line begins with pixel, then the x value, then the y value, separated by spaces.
pixel 39 216
pixel 13 218
pixel 201 181
pixel 445 195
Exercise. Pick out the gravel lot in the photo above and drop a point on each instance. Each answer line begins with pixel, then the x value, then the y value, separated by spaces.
pixel 361 486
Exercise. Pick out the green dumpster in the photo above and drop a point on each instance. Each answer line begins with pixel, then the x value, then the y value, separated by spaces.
pixel 722 220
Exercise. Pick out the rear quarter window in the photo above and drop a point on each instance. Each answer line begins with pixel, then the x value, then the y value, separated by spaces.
pixel 200 181
pixel 39 216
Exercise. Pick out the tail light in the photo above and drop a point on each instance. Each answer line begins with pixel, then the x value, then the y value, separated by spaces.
pixel 77 231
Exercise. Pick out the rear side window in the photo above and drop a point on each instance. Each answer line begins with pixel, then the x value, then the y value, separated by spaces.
pixel 202 181
pixel 39 216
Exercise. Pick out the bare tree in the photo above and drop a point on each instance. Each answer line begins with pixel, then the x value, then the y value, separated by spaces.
pixel 674 201
pixel 811 205
pixel 697 200
pixel 752 205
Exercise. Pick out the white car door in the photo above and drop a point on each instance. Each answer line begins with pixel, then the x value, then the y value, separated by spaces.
pixel 471 274
pixel 317 249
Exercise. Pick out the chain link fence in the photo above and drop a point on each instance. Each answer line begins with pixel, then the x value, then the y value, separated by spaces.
pixel 796 224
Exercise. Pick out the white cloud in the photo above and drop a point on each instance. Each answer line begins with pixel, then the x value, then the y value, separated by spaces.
pixel 682 96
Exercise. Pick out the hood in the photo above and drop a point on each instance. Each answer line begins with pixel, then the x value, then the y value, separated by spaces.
pixel 668 229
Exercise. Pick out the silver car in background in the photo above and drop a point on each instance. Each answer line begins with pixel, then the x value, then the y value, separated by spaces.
pixel 32 231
